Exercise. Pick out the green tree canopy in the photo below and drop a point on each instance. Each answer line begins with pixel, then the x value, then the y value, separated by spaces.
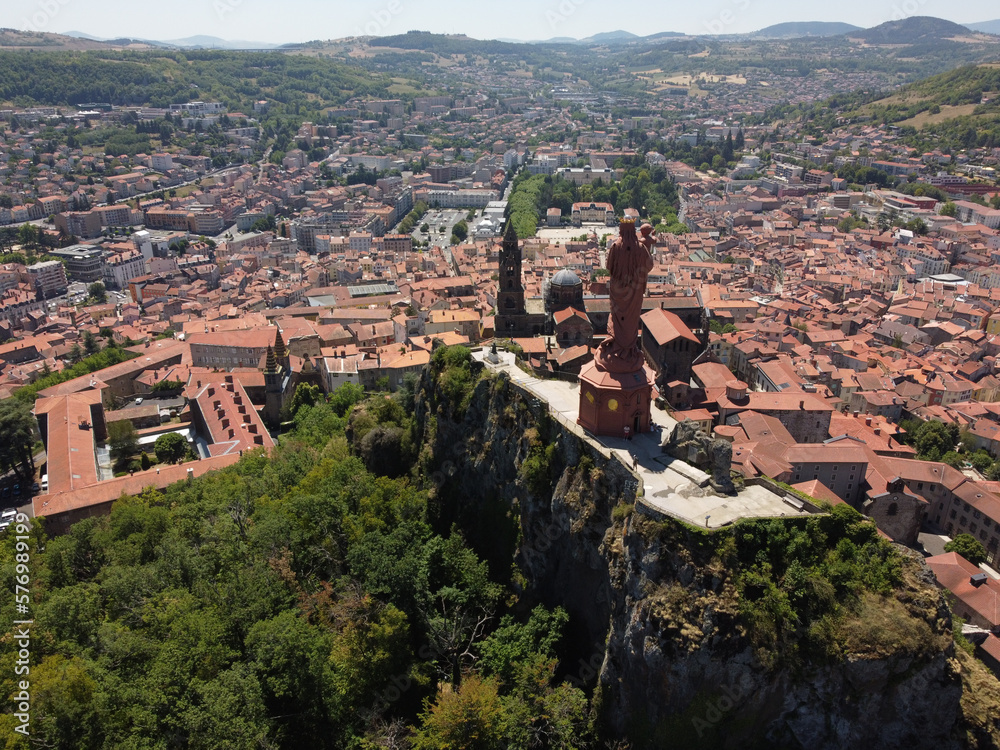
pixel 17 439
pixel 968 547
pixel 170 448
pixel 97 293
pixel 123 440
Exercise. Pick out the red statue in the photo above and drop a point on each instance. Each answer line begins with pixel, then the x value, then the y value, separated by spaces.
pixel 629 262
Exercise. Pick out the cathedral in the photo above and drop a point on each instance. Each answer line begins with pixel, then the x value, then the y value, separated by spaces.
pixel 513 320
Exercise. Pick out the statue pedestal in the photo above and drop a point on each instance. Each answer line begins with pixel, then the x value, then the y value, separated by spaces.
pixel 611 401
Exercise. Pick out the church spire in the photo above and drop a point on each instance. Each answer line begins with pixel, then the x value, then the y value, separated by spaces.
pixel 270 364
pixel 279 346
pixel 510 235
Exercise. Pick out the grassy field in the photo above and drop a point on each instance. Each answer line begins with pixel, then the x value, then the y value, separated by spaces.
pixel 946 113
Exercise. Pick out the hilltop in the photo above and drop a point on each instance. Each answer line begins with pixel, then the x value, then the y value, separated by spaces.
pixel 800 29
pixel 913 30
pixel 13 39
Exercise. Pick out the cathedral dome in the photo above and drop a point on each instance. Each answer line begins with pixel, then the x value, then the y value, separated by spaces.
pixel 566 278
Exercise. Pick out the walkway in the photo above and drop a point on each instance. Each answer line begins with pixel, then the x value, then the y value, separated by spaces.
pixel 668 486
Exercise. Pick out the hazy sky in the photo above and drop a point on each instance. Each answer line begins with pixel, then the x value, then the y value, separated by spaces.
pixel 303 20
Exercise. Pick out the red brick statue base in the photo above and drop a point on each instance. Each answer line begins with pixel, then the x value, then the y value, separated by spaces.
pixel 610 402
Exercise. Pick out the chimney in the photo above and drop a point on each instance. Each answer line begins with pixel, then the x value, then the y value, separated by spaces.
pixel 977 579
pixel 802 405
pixel 878 430
pixel 868 421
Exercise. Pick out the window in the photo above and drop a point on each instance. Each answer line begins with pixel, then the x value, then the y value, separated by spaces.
pixel 953 514
pixel 893 509
pixel 920 485
pixel 835 467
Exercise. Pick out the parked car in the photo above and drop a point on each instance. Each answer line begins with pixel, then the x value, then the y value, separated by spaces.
pixel 5 493
pixel 8 514
pixel 17 490
pixel 36 488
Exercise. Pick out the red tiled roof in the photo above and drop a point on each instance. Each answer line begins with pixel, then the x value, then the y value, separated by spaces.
pixel 665 326
pixel 954 573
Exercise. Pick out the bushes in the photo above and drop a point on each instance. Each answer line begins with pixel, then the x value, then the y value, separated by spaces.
pixel 456 381
pixel 800 581
pixel 540 470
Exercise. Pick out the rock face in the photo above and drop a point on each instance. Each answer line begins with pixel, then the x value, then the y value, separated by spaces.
pixel 655 629
pixel 695 447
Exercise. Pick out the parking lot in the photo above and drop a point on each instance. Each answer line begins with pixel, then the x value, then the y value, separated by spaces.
pixel 15 495
pixel 440 222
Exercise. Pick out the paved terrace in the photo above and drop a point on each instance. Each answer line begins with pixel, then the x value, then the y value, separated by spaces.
pixel 666 485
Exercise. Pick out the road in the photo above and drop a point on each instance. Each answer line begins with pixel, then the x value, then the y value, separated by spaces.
pixel 262 162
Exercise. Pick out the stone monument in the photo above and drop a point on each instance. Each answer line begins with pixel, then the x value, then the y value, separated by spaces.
pixel 616 389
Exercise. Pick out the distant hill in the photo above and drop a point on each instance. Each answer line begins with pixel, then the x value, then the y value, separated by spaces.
pixel 987 27
pixel 610 37
pixel 191 42
pixel 913 30
pixel 446 44
pixel 13 39
pixel 797 30
pixel 214 42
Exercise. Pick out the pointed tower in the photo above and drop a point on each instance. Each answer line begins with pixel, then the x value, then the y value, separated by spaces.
pixel 510 297
pixel 281 352
pixel 274 387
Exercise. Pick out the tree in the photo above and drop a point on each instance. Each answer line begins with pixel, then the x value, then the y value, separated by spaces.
pixel 461 230
pixel 17 435
pixel 949 209
pixel 933 439
pixel 90 343
pixel 305 394
pixel 122 439
pixel 952 459
pixel 97 293
pixel 471 717
pixel 968 547
pixel 170 448
pixel 75 353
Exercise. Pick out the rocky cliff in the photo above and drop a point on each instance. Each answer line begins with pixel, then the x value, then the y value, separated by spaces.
pixel 658 632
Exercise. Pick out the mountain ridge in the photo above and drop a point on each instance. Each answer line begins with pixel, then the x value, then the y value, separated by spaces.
pixel 800 29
